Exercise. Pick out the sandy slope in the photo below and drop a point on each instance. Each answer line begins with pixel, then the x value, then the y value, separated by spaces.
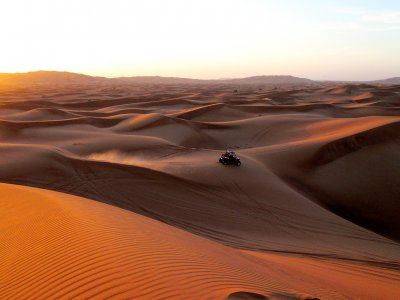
pixel 320 175
pixel 56 246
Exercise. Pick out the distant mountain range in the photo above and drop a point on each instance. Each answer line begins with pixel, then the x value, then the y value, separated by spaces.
pixel 389 81
pixel 67 78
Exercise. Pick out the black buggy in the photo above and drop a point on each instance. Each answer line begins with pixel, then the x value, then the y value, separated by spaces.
pixel 230 158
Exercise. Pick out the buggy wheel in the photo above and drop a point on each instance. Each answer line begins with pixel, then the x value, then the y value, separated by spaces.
pixel 238 163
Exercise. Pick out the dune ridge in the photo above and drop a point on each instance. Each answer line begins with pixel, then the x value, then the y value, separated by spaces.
pixel 105 252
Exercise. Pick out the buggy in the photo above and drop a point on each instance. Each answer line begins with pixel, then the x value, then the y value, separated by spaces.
pixel 230 158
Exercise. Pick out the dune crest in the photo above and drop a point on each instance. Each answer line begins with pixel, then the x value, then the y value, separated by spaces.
pixel 67 247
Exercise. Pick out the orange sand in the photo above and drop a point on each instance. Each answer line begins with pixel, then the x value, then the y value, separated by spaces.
pixel 312 212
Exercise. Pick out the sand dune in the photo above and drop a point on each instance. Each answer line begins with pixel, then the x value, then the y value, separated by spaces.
pixel 312 211
pixel 64 247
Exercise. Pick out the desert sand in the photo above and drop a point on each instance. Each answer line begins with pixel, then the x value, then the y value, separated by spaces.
pixel 312 212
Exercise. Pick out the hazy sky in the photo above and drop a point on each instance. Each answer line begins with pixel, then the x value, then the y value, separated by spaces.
pixel 352 40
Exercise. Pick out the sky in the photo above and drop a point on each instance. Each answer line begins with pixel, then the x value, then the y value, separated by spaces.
pixel 317 39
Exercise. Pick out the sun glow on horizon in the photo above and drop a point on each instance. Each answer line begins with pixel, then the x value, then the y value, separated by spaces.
pixel 202 39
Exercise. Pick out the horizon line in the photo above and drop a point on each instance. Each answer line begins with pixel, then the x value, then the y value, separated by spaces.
pixel 200 79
